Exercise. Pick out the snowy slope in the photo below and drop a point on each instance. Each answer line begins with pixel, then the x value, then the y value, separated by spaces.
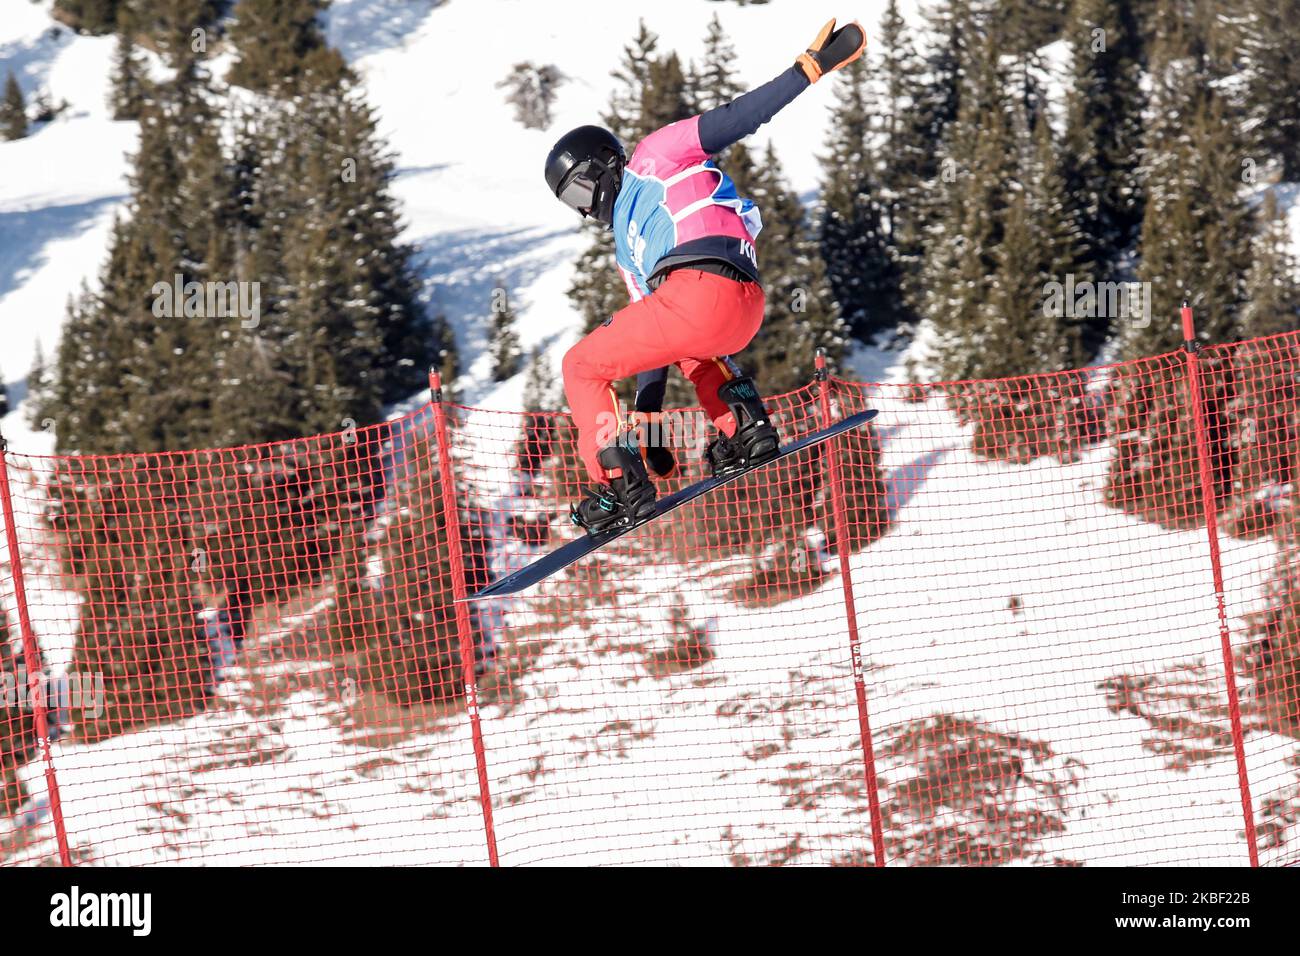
pixel 597 761
pixel 753 756
pixel 59 189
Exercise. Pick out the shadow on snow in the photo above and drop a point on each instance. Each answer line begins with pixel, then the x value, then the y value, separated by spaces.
pixel 24 234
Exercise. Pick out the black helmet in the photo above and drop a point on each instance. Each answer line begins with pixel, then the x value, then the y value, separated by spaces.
pixel 585 170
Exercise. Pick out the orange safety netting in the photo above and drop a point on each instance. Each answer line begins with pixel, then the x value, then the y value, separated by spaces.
pixel 994 626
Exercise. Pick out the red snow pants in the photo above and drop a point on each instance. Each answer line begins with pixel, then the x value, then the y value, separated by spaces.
pixel 692 320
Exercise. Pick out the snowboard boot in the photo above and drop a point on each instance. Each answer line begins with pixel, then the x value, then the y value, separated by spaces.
pixel 628 498
pixel 755 440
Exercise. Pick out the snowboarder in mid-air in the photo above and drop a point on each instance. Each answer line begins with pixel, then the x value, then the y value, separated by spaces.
pixel 684 242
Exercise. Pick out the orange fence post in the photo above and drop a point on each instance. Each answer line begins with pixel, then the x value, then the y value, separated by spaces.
pixel 1190 351
pixel 850 612
pixel 32 659
pixel 459 592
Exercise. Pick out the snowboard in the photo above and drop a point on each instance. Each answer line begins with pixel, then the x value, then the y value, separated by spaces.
pixel 562 557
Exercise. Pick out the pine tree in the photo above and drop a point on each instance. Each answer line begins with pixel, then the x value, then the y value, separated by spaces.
pixel 637 108
pixel 129 85
pixel 43 108
pixel 260 380
pixel 934 93
pixel 1022 30
pixel 1005 230
pixel 121 531
pixel 714 84
pixel 314 234
pixel 1021 419
pixel 800 316
pixel 90 16
pixel 532 92
pixel 345 311
pixel 180 206
pixel 13 110
pixel 386 276
pixel 1059 244
pixel 180 31
pixel 399 624
pixel 1263 445
pixel 666 97
pixel 901 163
pixel 504 342
pixel 952 27
pixel 543 396
pixel 1104 135
pixel 281 46
pixel 144 382
pixel 627 100
pixel 864 277
pixel 1270 44
pixel 1014 233
pixel 1273 283
pixel 1197 229
pixel 268 519
pixel 962 250
pixel 1196 240
pixel 543 392
pixel 81 365
pixel 1029 25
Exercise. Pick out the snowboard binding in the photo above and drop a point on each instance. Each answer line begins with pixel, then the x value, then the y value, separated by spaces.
pixel 628 498
pixel 755 440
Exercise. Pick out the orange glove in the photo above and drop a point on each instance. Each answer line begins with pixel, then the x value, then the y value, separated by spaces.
pixel 832 49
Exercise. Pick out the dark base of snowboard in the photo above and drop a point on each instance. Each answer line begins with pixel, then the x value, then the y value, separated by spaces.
pixel 562 557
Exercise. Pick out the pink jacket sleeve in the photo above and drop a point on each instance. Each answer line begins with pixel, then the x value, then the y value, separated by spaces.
pixel 669 150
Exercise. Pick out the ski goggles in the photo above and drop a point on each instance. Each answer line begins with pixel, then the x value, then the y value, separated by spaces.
pixel 583 187
pixel 580 191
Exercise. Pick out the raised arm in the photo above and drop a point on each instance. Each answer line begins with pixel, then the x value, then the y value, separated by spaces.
pixel 732 122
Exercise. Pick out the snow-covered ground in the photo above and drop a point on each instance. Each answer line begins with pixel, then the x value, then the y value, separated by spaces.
pixel 59 189
pixel 997 617
pixel 1042 673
